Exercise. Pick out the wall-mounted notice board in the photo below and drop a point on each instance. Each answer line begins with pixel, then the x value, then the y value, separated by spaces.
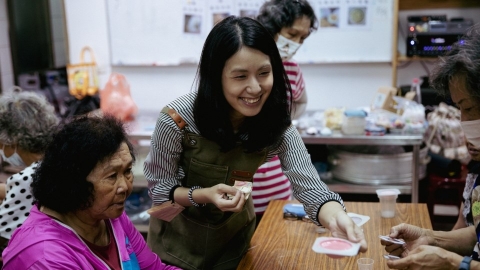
pixel 172 32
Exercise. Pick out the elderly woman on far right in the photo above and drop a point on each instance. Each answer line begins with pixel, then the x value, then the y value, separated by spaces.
pixel 457 75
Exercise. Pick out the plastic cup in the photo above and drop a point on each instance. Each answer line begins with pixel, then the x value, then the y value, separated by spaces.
pixel 388 200
pixel 365 264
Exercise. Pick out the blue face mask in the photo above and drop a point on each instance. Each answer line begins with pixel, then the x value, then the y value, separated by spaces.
pixel 14 159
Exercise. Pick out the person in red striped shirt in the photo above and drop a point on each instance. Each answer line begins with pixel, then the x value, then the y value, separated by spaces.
pixel 290 23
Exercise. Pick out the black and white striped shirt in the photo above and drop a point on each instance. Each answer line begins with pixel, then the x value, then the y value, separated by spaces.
pixel 162 170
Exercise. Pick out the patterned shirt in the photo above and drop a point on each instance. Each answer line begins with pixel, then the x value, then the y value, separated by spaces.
pixel 162 170
pixel 295 77
pixel 470 183
pixel 18 201
pixel 471 203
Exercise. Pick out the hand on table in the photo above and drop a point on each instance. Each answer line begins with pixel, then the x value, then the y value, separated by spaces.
pixel 424 257
pixel 412 235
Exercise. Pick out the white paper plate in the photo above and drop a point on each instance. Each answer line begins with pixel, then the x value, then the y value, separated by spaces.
pixel 335 246
pixel 358 219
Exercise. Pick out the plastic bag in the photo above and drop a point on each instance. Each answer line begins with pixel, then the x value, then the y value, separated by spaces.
pixel 116 99
pixel 83 76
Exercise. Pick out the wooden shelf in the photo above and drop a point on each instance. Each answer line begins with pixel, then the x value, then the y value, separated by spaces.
pixel 435 4
pixel 404 58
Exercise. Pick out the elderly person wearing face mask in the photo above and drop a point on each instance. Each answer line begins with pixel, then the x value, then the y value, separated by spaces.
pixel 26 125
pixel 290 24
pixel 457 75
pixel 471 127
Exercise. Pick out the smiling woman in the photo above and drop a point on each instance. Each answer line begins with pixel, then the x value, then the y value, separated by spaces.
pixel 209 140
pixel 80 189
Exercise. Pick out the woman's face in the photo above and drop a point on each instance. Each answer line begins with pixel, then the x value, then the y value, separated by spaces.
pixel 298 32
pixel 469 108
pixel 112 181
pixel 247 81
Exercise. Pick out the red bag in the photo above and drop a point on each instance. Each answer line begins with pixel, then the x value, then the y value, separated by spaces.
pixel 116 99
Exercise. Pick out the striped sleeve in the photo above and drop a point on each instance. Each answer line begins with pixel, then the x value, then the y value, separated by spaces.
pixel 161 167
pixel 295 76
pixel 307 186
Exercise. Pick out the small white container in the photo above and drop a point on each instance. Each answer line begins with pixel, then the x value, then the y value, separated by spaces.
pixel 388 200
pixel 354 122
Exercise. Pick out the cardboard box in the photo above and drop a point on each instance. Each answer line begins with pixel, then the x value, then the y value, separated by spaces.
pixel 384 98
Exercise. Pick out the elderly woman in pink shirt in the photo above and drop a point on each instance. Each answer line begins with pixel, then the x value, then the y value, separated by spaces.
pixel 78 221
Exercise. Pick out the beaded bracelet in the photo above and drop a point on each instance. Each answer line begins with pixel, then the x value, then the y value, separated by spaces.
pixel 190 191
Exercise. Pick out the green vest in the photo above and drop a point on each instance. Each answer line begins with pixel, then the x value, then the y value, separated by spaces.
pixel 206 237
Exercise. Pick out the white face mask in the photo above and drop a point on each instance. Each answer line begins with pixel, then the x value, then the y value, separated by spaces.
pixel 472 132
pixel 286 47
pixel 14 159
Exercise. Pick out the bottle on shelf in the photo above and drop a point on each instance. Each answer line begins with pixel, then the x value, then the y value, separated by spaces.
pixel 415 88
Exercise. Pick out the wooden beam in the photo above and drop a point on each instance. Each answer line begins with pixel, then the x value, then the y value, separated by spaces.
pixel 433 4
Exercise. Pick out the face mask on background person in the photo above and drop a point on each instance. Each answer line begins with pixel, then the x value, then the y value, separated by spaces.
pixel 472 132
pixel 286 47
pixel 14 159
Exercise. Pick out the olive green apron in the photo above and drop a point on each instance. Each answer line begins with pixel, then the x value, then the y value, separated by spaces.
pixel 206 237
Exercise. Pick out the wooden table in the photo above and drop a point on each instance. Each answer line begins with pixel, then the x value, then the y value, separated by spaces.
pixel 286 244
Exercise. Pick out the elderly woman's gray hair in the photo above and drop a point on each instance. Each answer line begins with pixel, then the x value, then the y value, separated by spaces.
pixel 27 120
pixel 462 59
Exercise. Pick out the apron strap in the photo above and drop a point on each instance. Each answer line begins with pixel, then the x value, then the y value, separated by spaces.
pixel 175 117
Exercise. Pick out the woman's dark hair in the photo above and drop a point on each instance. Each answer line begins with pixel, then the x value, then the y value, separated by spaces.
pixel 277 14
pixel 211 109
pixel 60 181
pixel 463 58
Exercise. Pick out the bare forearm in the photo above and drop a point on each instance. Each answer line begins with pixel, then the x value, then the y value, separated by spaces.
pixel 454 260
pixel 461 241
pixel 299 106
pixel 474 265
pixel 460 221
pixel 327 212
pixel 181 196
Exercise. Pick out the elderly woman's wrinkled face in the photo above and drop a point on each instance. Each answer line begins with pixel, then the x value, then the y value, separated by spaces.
pixel 469 109
pixel 112 181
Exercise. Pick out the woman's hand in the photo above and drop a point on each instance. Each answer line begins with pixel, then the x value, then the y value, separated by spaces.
pixel 341 225
pixel 412 235
pixel 427 257
pixel 218 196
